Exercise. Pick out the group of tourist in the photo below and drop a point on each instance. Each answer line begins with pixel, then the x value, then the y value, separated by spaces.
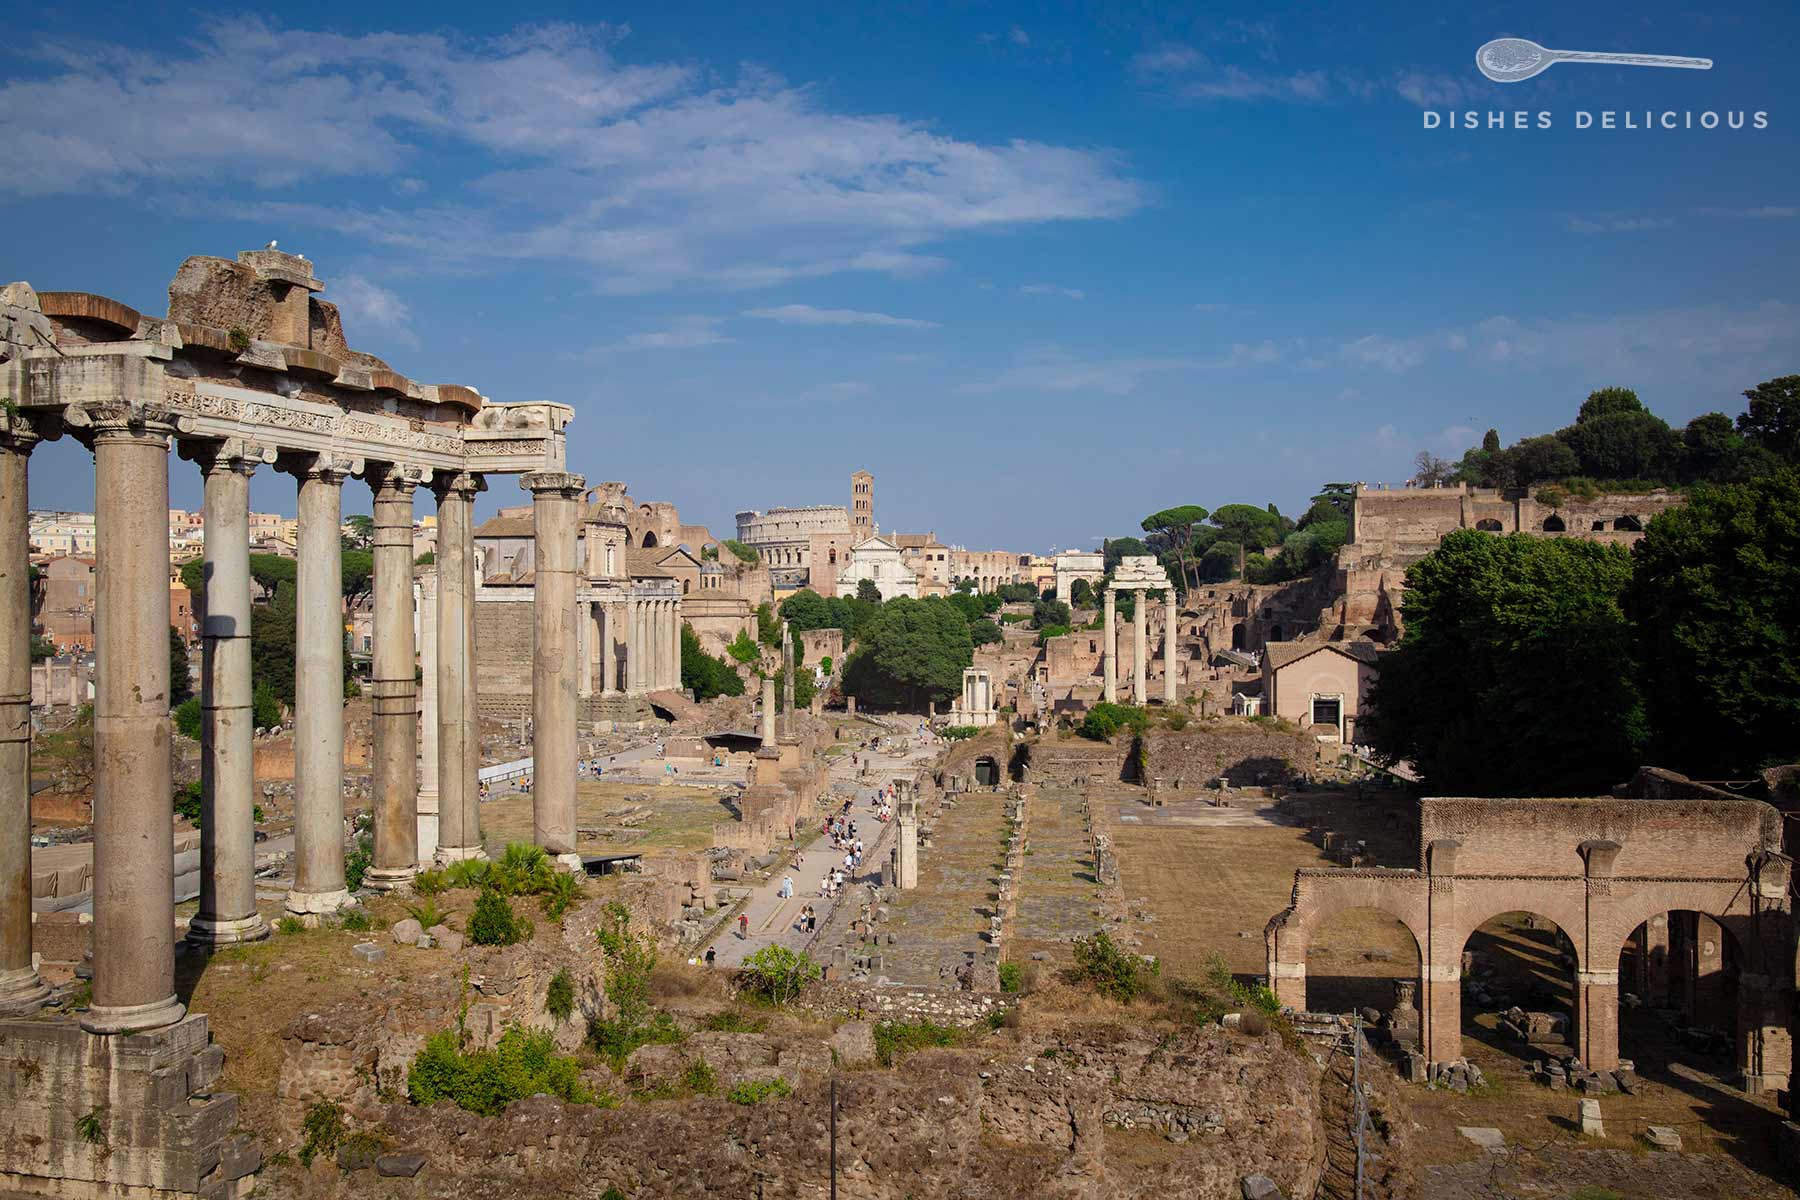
pixel 807 921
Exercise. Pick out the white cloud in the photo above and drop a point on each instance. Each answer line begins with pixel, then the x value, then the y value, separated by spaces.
pixel 1767 212
pixel 368 305
pixel 1018 36
pixel 1432 91
pixel 1051 289
pixel 1183 73
pixel 1617 224
pixel 649 175
pixel 806 314
pixel 685 333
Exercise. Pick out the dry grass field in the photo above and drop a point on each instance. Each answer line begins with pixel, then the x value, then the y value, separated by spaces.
pixel 677 818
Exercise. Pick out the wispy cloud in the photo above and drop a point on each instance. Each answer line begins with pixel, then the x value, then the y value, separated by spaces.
pixel 367 305
pixel 1051 289
pixel 684 333
pixel 806 314
pixel 1059 371
pixel 1616 224
pixel 1766 212
pixel 1184 74
pixel 647 175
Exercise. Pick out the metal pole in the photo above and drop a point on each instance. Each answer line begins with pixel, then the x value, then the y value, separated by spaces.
pixel 834 1138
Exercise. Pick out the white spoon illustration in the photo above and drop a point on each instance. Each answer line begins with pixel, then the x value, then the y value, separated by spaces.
pixel 1514 60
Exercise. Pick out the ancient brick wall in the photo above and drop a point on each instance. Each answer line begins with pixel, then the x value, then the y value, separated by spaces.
pixel 502 648
pixel 1242 752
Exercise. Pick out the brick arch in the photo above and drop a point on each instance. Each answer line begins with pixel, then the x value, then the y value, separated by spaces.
pixel 1725 902
pixel 1562 903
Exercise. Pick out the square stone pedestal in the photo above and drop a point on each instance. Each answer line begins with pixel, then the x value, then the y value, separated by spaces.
pixel 132 1116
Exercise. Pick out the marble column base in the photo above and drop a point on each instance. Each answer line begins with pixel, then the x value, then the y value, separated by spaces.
pixel 22 991
pixel 204 931
pixel 310 906
pixel 389 879
pixel 452 854
pixel 571 862
pixel 124 1018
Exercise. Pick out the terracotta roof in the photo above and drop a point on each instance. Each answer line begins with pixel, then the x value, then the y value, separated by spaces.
pixel 1279 654
pixel 916 541
pixel 501 525
pixel 642 564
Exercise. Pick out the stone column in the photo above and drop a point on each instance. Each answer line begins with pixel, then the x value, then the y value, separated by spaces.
pixel 1109 649
pixel 227 911
pixel 1140 645
pixel 906 813
pixel 456 737
pixel 609 651
pixel 393 683
pixel 787 681
pixel 134 859
pixel 584 649
pixel 633 648
pixel 768 714
pixel 319 690
pixel 20 988
pixel 430 806
pixel 1171 665
pixel 672 643
pixel 556 512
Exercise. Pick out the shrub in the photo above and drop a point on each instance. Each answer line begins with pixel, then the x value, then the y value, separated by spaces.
pixel 559 997
pixel 698 1079
pixel 187 717
pixel 1104 720
pixel 265 709
pixel 493 923
pixel 1111 971
pixel 896 1039
pixel 733 1021
pixel 322 1129
pixel 562 890
pixel 614 1039
pixel 428 914
pixel 357 862
pixel 187 804
pixel 1052 631
pixel 466 873
pixel 521 870
pixel 754 1093
pixel 776 974
pixel 958 733
pixel 430 883
pixel 486 1081
pixel 1178 721
pixel 290 925
pixel 355 920
pixel 1012 976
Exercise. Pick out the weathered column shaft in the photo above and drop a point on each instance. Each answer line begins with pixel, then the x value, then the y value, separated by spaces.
pixel 20 987
pixel 1140 645
pixel 430 802
pixel 1171 663
pixel 556 511
pixel 227 772
pixel 393 683
pixel 134 859
pixel 609 651
pixel 319 691
pixel 584 649
pixel 768 713
pixel 787 680
pixel 1109 650
pixel 457 735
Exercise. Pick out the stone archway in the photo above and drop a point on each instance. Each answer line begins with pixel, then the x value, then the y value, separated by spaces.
pixel 1354 958
pixel 649 539
pixel 1522 961
pixel 1554 524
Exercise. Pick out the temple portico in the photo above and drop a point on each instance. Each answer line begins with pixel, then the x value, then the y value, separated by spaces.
pixel 1144 575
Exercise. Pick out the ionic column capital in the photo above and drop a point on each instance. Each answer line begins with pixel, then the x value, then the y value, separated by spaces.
pixel 460 485
pixel 120 421
pixel 227 455
pixel 395 479
pixel 319 468
pixel 542 484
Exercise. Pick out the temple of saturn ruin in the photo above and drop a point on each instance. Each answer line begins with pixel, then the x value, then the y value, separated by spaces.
pixel 1141 574
pixel 249 370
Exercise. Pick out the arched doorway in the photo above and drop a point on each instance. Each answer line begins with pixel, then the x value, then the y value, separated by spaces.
pixel 1489 525
pixel 1518 981
pixel 987 771
pixel 649 539
pixel 1274 633
pixel 1681 999
pixel 1361 958
pixel 1554 524
pixel 1237 636
pixel 1628 524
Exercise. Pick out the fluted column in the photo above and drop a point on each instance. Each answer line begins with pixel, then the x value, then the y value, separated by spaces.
pixel 1109 650
pixel 227 911
pixel 609 651
pixel 1171 666
pixel 636 649
pixel 393 683
pixel 671 645
pixel 134 859
pixel 425 588
pixel 318 689
pixel 20 988
pixel 787 680
pixel 1140 645
pixel 768 712
pixel 556 511
pixel 458 743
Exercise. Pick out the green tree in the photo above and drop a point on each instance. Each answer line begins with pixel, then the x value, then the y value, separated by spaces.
pixel 42 648
pixel 1490 441
pixel 1616 437
pixel 740 551
pixel 867 592
pixel 1081 592
pixel 272 645
pixel 1536 459
pixel 1772 419
pixel 359 531
pixel 1515 675
pixel 912 652
pixel 1715 598
pixel 359 575
pixel 273 573
pixel 743 649
pixel 1176 528
pixel 426 559
pixel 1049 612
pixel 1015 593
pixel 1713 451
pixel 806 609
pixel 1248 526
pixel 804 688
pixel 180 685
pixel 706 675
pixel 983 632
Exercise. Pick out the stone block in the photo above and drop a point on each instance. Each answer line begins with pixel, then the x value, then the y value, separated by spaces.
pixel 402 1165
pixel 1490 1140
pixel 406 932
pixel 1663 1137
pixel 1260 1187
pixel 368 952
pixel 853 1044
pixel 1592 1125
pixel 446 937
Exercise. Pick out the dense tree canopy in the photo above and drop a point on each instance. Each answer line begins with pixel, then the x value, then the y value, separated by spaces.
pixel 1772 419
pixel 181 686
pixel 1715 596
pixel 911 652
pixel 1515 674
pixel 706 675
pixel 1174 528
pixel 867 592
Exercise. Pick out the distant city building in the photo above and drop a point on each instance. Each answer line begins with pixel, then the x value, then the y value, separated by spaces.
pixel 878 560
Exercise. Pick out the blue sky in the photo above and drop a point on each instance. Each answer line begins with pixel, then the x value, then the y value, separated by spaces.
pixel 1042 269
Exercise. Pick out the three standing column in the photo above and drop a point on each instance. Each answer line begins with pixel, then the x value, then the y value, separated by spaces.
pixel 1109 650
pixel 393 682
pixel 556 497
pixel 318 689
pixel 20 988
pixel 1140 646
pixel 227 911
pixel 134 857
pixel 458 745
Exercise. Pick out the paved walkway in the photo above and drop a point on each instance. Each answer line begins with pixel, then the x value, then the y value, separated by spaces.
pixel 772 918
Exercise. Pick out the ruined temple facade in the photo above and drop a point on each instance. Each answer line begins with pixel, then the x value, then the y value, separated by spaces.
pixel 248 370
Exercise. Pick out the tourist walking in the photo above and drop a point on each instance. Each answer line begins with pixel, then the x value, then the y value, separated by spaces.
pixel 743 927
pixel 787 887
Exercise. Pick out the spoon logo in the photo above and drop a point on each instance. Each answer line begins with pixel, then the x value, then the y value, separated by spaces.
pixel 1514 60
